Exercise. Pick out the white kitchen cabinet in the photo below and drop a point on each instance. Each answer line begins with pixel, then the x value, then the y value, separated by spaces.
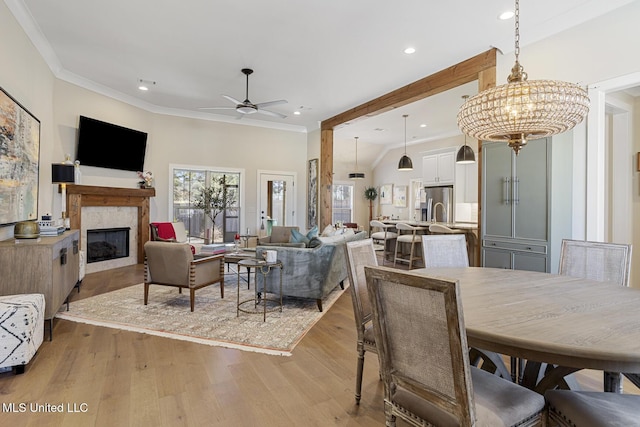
pixel 438 169
pixel 466 183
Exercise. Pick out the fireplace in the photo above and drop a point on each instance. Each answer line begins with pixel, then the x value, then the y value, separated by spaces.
pixel 107 243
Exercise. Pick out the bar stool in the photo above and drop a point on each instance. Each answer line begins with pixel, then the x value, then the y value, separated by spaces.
pixel 412 238
pixel 383 236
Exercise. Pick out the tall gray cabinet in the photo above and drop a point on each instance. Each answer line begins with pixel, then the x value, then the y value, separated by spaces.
pixel 515 211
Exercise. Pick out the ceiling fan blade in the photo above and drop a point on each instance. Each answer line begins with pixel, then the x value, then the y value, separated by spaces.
pixel 272 113
pixel 270 103
pixel 232 99
pixel 217 108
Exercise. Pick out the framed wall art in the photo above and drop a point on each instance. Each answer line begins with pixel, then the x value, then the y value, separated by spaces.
pixel 386 194
pixel 19 158
pixel 400 196
pixel 312 193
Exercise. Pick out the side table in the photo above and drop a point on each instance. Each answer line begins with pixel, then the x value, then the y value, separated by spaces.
pixel 263 268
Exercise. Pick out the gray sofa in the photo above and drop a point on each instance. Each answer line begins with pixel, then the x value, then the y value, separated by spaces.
pixel 310 272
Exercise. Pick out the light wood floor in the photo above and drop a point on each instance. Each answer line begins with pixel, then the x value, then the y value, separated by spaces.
pixel 131 379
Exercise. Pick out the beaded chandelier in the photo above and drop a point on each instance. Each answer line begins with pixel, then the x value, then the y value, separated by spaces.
pixel 522 110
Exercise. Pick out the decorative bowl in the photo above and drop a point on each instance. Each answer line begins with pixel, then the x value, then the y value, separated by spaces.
pixel 26 230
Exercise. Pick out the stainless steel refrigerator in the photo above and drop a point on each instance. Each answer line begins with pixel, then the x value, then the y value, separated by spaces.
pixel 439 203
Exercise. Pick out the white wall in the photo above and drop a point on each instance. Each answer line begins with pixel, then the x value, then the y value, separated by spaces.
pixel 26 77
pixel 57 104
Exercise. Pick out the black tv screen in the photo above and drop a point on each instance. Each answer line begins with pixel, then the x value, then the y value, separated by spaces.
pixel 106 145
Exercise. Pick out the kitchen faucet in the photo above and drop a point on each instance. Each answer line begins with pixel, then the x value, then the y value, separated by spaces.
pixel 435 211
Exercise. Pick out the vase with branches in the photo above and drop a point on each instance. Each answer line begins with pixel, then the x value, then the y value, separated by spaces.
pixel 214 199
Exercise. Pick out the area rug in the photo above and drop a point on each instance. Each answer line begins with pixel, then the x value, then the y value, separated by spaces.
pixel 214 321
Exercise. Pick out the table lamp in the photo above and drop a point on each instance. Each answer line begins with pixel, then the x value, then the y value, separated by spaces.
pixel 63 174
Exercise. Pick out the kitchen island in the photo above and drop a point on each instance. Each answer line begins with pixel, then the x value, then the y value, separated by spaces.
pixel 470 229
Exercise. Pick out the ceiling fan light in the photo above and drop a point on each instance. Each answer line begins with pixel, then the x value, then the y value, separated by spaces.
pixel 405 163
pixel 465 155
pixel 244 109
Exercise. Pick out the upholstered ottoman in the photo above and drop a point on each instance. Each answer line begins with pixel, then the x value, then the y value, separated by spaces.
pixel 21 329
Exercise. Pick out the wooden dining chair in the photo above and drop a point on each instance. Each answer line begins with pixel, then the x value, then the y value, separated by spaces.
pixel 410 237
pixel 422 348
pixel 383 235
pixel 361 253
pixel 604 262
pixel 445 250
pixel 592 409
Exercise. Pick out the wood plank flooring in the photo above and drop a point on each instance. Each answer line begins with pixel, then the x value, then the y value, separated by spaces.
pixel 119 378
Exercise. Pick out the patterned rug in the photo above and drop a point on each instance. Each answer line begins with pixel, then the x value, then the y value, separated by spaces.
pixel 214 321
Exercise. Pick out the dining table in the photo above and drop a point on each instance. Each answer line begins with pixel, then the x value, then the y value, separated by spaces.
pixel 565 322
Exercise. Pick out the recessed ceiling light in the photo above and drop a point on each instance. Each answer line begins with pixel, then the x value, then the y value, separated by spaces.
pixel 506 15
pixel 296 113
pixel 423 125
pixel 145 84
pixel 409 50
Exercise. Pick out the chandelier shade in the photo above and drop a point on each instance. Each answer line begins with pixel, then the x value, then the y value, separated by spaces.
pixel 356 174
pixel 465 155
pixel 520 111
pixel 523 110
pixel 405 163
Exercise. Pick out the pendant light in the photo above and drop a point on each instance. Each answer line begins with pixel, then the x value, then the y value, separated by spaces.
pixel 405 163
pixel 465 153
pixel 356 174
pixel 522 110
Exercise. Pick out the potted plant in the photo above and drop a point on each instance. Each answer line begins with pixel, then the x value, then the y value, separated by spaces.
pixel 371 194
pixel 214 199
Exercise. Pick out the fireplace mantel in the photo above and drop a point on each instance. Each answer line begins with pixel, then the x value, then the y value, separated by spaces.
pixel 79 196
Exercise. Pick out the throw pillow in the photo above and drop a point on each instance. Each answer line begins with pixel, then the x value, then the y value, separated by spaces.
pixel 328 231
pixel 298 237
pixel 313 232
pixel 314 242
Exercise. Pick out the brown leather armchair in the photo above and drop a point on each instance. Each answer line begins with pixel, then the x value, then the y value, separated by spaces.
pixel 172 264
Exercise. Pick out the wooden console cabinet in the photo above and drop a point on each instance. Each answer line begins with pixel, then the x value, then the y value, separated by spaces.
pixel 48 265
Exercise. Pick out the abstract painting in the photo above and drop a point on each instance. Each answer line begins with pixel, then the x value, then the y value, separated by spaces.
pixel 312 194
pixel 19 156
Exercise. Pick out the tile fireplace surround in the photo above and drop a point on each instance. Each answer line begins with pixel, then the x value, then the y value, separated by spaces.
pixel 79 196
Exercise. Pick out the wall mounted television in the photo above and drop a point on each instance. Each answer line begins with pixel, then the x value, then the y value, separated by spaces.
pixel 107 145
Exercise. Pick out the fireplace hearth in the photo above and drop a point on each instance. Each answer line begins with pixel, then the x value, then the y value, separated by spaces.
pixel 107 243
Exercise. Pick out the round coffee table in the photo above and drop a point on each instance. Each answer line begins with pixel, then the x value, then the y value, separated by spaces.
pixel 264 268
pixel 236 257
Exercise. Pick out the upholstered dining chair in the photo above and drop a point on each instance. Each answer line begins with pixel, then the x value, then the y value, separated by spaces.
pixel 383 235
pixel 360 253
pixel 422 348
pixel 450 250
pixel 411 237
pixel 604 262
pixel 445 250
pixel 592 409
pixel 172 264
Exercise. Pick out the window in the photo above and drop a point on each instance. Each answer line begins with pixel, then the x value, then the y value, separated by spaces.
pixel 342 203
pixel 188 185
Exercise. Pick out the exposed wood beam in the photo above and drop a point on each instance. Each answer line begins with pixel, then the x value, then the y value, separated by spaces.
pixel 443 80
pixel 481 67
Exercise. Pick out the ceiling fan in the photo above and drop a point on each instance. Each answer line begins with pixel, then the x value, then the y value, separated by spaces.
pixel 248 107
